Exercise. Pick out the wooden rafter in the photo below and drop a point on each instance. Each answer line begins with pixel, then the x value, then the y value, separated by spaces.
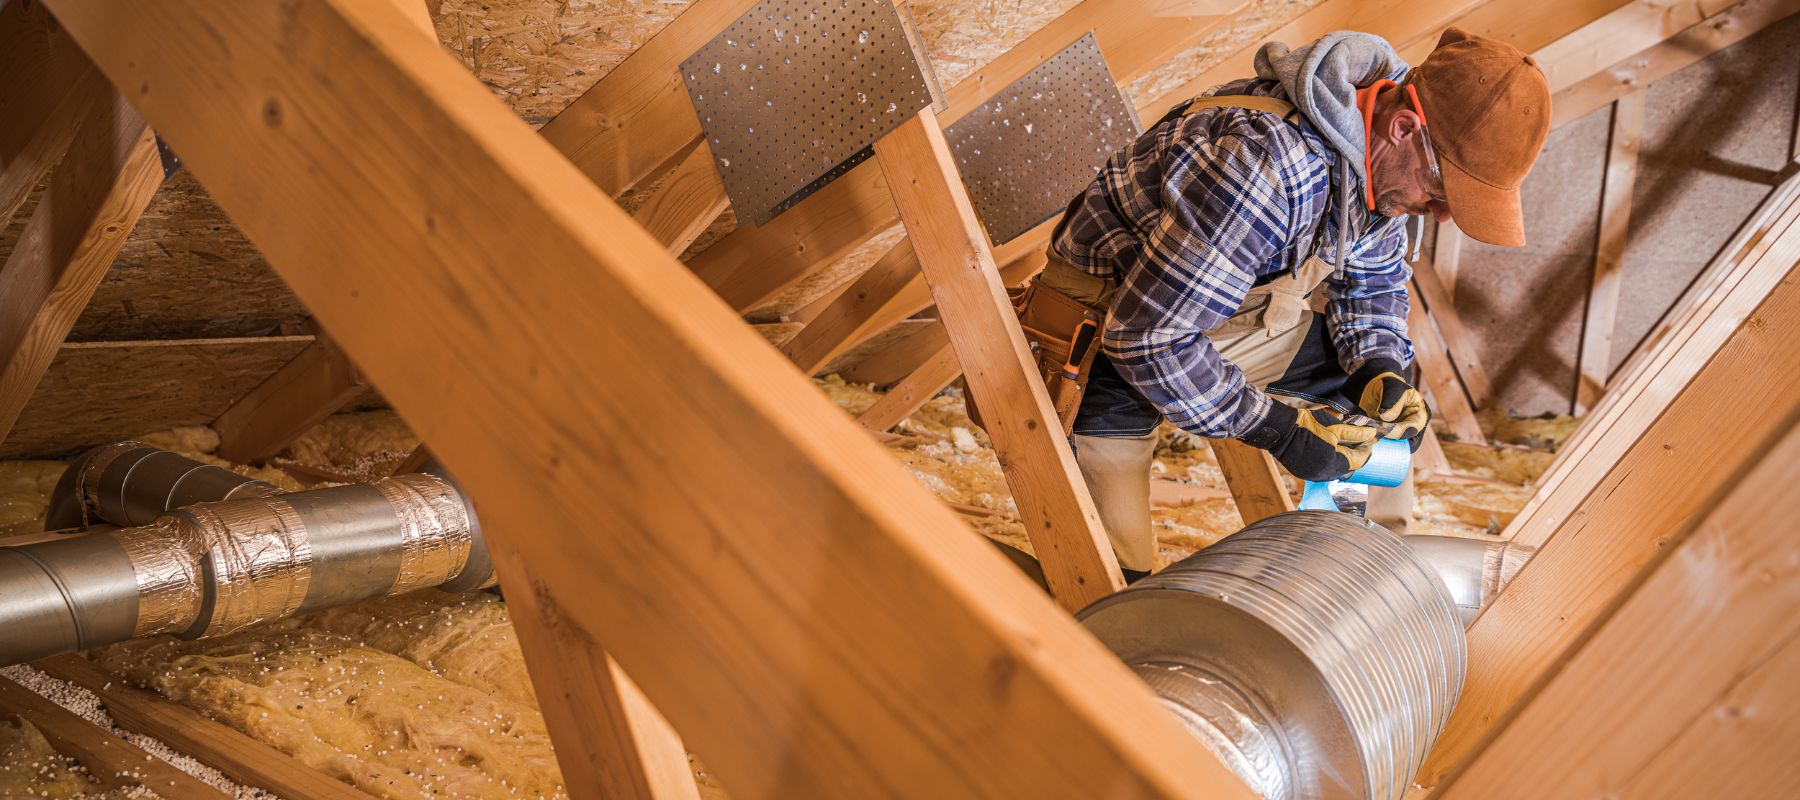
pixel 796 580
pixel 1595 361
pixel 114 762
pixel 1439 376
pixel 1053 501
pixel 213 743
pixel 1739 405
pixel 939 370
pixel 1723 602
pixel 1255 481
pixel 93 201
pixel 637 122
pixel 1623 59
pixel 317 383
pixel 47 87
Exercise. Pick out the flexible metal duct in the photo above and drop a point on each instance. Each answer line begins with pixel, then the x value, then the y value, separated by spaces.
pixel 211 568
pixel 1312 652
pixel 1473 571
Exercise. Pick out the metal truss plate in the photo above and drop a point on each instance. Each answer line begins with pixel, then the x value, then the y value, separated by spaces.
pixel 795 92
pixel 1025 153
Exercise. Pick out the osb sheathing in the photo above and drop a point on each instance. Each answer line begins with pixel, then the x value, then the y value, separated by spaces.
pixel 187 272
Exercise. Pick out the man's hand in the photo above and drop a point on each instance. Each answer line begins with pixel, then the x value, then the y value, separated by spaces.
pixel 1314 445
pixel 1381 390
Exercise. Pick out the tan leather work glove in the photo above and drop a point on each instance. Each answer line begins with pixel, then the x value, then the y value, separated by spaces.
pixel 1381 390
pixel 1314 445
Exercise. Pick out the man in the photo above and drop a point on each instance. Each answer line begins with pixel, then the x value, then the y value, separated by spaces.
pixel 1205 238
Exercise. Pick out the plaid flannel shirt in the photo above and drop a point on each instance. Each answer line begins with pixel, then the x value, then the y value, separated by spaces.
pixel 1193 214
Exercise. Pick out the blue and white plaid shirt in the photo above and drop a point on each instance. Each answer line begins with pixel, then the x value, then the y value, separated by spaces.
pixel 1193 214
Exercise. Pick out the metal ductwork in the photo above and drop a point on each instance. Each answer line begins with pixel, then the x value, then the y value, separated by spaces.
pixel 211 552
pixel 1313 652
pixel 1473 570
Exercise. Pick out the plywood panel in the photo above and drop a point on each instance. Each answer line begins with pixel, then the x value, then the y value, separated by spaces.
pixel 97 392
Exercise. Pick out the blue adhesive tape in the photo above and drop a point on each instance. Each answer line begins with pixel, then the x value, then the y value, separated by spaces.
pixel 1387 466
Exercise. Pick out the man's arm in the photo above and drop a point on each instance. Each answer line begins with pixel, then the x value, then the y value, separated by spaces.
pixel 1226 210
pixel 1366 302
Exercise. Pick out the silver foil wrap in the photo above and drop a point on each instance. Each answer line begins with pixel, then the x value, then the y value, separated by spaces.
pixel 262 565
pixel 434 530
pixel 165 559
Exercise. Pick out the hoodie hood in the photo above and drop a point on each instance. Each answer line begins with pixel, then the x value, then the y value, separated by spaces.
pixel 1321 79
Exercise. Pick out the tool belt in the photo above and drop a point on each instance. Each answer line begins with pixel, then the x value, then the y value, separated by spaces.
pixel 1064 335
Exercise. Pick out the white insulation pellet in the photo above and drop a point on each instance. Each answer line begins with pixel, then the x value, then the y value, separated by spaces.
pixel 87 705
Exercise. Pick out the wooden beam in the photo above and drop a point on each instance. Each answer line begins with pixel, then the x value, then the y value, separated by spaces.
pixel 892 364
pixel 796 580
pixel 1725 599
pixel 317 383
pixel 1430 460
pixel 47 87
pixel 1053 501
pixel 1762 255
pixel 1740 746
pixel 1439 374
pixel 1595 361
pixel 1452 333
pixel 111 760
pixel 1253 478
pixel 914 391
pixel 637 122
pixel 622 746
pixel 753 264
pixel 890 302
pixel 212 743
pixel 1736 408
pixel 687 202
pixel 1636 65
pixel 1446 256
pixel 93 201
pixel 857 313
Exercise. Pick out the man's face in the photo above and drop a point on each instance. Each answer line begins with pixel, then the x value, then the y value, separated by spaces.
pixel 1403 170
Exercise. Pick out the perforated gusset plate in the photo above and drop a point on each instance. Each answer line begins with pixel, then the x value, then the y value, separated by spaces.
pixel 1025 153
pixel 795 92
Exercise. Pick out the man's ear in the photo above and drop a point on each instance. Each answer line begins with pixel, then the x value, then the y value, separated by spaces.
pixel 1403 124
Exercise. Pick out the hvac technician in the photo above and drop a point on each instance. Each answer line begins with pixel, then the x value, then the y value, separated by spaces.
pixel 1203 240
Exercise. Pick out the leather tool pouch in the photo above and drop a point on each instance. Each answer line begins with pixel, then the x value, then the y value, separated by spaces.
pixel 1064 336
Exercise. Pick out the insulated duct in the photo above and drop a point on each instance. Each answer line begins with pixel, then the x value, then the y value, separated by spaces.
pixel 1313 652
pixel 199 565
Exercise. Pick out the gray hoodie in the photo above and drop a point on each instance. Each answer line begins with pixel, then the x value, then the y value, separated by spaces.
pixel 1321 79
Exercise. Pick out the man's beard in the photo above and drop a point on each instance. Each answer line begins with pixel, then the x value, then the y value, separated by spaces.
pixel 1391 204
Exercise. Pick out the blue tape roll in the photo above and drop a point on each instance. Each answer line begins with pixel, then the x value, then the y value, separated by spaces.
pixel 1387 466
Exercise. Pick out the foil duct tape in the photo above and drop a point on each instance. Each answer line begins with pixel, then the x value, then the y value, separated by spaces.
pixel 435 532
pixel 258 559
pixel 165 559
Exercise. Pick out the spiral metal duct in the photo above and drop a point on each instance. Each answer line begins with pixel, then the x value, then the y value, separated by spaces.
pixel 210 568
pixel 1312 652
pixel 1474 571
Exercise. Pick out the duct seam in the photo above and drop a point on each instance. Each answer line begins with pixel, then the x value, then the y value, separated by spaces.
pixel 434 529
pixel 165 561
pixel 262 564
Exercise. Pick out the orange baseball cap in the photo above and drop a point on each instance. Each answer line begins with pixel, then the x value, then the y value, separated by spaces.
pixel 1489 111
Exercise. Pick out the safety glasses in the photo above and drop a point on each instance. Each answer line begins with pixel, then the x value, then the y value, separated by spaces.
pixel 1432 176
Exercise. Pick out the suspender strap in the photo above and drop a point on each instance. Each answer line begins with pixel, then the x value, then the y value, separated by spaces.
pixel 1273 105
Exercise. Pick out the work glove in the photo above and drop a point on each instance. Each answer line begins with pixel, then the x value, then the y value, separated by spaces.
pixel 1381 390
pixel 1314 445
